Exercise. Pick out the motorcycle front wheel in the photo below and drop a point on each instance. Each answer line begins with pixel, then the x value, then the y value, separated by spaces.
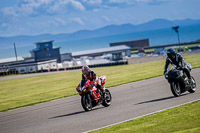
pixel 107 98
pixel 192 86
pixel 175 88
pixel 86 102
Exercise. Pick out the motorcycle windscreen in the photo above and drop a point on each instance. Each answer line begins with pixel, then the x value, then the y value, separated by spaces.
pixel 83 82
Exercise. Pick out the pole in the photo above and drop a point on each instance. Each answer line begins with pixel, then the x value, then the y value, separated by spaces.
pixel 179 40
pixel 176 30
pixel 178 37
pixel 15 52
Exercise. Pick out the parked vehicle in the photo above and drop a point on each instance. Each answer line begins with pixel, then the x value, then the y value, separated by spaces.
pixel 91 97
pixel 179 82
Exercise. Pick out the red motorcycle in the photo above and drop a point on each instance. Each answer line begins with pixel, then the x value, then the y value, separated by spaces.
pixel 91 96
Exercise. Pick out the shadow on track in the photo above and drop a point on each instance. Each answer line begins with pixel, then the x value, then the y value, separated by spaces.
pixel 75 113
pixel 157 100
pixel 160 99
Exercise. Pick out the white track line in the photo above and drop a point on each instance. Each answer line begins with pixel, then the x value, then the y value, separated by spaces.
pixel 142 116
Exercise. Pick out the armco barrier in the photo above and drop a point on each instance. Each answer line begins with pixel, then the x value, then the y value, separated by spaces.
pixel 100 65
pixel 75 67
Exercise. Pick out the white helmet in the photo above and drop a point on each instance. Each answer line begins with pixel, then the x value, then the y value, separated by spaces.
pixel 85 70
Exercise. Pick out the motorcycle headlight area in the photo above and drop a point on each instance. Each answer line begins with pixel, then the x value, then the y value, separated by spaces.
pixel 84 89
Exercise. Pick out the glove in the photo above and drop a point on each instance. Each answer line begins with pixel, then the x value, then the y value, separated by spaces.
pixel 166 75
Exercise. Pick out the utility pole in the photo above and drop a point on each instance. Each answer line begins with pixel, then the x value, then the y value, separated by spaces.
pixel 15 52
pixel 175 28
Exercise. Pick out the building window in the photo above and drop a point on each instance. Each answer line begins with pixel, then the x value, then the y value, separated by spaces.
pixel 46 49
pixel 117 56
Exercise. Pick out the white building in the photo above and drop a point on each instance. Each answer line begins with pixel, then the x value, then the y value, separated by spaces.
pixel 118 52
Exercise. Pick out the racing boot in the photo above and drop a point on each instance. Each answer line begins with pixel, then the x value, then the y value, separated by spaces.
pixel 103 89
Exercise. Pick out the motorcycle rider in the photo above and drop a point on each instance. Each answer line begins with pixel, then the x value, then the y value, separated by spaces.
pixel 87 73
pixel 177 60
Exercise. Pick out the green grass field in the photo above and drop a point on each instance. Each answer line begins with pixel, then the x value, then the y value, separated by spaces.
pixel 183 119
pixel 28 91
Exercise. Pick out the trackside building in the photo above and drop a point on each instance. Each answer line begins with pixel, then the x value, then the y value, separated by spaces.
pixel 118 52
pixel 45 57
pixel 45 51
pixel 133 44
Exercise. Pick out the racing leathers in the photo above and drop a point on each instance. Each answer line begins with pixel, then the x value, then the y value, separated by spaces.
pixel 92 77
pixel 177 61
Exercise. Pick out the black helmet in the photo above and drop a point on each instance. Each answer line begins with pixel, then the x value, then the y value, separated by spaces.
pixel 171 53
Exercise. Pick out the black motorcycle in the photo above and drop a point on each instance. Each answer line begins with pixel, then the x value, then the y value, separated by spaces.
pixel 179 82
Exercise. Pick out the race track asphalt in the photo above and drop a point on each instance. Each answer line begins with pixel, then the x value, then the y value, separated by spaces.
pixel 67 115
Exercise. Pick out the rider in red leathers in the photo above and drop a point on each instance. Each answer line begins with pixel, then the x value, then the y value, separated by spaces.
pixel 87 73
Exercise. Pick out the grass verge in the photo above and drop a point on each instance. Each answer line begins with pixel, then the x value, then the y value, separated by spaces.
pixel 28 91
pixel 183 119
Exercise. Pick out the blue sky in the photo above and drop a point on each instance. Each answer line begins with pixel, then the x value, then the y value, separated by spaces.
pixel 34 17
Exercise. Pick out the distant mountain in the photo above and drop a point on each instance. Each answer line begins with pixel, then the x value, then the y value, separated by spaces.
pixel 24 40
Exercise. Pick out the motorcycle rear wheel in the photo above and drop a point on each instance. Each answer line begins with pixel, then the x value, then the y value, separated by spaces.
pixel 107 98
pixel 175 88
pixel 193 86
pixel 86 102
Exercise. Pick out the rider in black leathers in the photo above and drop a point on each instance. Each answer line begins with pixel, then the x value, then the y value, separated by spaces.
pixel 177 60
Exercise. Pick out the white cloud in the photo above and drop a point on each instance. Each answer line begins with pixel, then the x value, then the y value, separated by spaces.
pixel 57 16
pixel 121 1
pixel 153 1
pixel 78 20
pixel 32 7
pixel 63 6
pixel 45 1
pixel 29 7
pixel 143 0
pixel 58 22
pixel 4 25
pixel 9 11
pixel 77 5
pixel 26 10
pixel 138 1
pixel 56 7
pixel 49 7
pixel 106 18
pixel 61 21
pixel 95 10
pixel 93 2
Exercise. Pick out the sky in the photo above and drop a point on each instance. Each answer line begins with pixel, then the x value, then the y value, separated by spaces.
pixel 34 17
